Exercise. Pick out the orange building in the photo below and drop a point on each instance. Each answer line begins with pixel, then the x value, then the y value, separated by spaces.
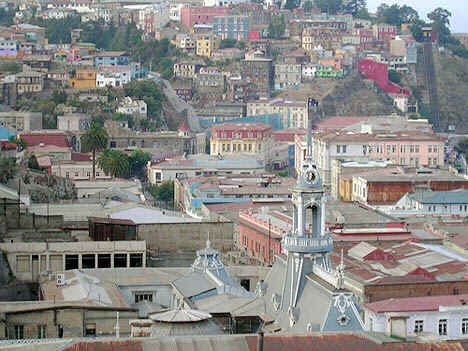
pixel 83 79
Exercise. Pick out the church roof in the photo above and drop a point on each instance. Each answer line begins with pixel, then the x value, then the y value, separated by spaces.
pixel 333 310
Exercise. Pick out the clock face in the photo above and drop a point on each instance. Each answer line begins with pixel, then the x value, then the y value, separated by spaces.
pixel 310 176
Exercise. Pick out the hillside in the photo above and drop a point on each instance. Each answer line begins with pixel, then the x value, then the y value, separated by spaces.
pixel 354 97
pixel 452 79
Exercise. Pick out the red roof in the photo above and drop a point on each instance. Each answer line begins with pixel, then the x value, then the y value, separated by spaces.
pixel 184 126
pixel 339 122
pixel 56 139
pixel 417 304
pixel 249 126
pixel 287 135
pixel 6 145
pixel 80 157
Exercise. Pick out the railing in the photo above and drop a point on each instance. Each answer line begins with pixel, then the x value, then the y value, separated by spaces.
pixel 305 244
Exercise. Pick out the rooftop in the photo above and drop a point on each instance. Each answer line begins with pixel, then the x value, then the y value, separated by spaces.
pixel 315 341
pixel 459 196
pixel 418 304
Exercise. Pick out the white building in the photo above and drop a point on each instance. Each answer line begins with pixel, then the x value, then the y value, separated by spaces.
pixel 308 70
pixel 73 122
pixel 131 106
pixel 6 44
pixel 202 164
pixel 115 76
pixel 174 12
pixel 222 2
pixel 436 203
pixel 445 317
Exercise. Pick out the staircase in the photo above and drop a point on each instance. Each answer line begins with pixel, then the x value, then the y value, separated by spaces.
pixel 430 82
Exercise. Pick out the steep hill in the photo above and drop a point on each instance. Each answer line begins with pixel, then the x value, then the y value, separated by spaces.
pixel 452 79
pixel 354 97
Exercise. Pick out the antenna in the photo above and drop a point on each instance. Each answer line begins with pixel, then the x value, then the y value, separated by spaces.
pixel 312 105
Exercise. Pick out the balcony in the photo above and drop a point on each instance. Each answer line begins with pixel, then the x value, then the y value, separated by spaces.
pixel 305 244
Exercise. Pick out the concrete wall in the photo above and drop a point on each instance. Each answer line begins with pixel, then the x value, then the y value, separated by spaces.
pixel 187 236
pixel 73 322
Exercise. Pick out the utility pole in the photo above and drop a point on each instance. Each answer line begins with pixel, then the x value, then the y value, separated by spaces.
pixel 269 238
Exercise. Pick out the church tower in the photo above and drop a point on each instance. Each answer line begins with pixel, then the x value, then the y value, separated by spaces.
pixel 308 244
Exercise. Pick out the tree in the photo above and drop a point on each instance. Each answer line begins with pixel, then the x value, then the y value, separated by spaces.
pixel 394 76
pixel 277 26
pixel 138 161
pixel 329 6
pixel 32 162
pixel 94 140
pixel 148 91
pixel 227 43
pixel 114 163
pixel 462 146
pixel 353 7
pixel 396 15
pixel 8 169
pixel 163 192
pixel 440 24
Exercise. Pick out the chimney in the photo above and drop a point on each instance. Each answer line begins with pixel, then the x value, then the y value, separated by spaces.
pixel 260 340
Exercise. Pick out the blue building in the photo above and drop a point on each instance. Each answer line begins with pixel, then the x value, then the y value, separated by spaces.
pixel 112 58
pixel 231 27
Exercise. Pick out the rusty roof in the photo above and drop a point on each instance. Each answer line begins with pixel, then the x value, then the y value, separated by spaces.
pixel 315 342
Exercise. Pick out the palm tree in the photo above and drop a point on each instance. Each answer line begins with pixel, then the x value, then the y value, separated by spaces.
pixel 95 139
pixel 114 163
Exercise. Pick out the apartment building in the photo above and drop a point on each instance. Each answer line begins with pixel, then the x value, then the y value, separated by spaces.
pixel 247 138
pixel 412 148
pixel 293 113
pixel 231 27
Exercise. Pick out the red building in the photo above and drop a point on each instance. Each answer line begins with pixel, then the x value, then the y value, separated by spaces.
pixel 378 72
pixel 190 16
pixel 261 232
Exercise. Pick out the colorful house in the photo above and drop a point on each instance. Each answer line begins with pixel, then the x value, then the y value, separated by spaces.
pixel 378 72
pixel 83 79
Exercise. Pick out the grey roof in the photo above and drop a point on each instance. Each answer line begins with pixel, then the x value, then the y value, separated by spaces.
pixel 194 284
pixel 144 215
pixel 316 308
pixel 206 327
pixel 459 196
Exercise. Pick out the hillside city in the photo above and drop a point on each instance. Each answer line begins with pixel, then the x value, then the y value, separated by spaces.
pixel 246 175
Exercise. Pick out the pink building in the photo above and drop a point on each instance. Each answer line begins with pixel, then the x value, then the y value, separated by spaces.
pixel 190 16
pixel 410 149
pixel 73 55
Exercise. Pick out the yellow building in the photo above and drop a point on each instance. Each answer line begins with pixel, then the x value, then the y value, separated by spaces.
pixel 241 138
pixel 205 46
pixel 83 79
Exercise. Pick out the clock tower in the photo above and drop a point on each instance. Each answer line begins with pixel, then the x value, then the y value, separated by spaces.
pixel 308 243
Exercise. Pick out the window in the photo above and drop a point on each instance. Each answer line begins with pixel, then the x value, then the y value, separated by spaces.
pixel 442 327
pixel 19 331
pixel 417 148
pixel 418 326
pixel 136 260
pixel 90 329
pixel 143 296
pixel 41 331
pixel 464 326
pixel 411 148
pixel 120 260
pixel 22 263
